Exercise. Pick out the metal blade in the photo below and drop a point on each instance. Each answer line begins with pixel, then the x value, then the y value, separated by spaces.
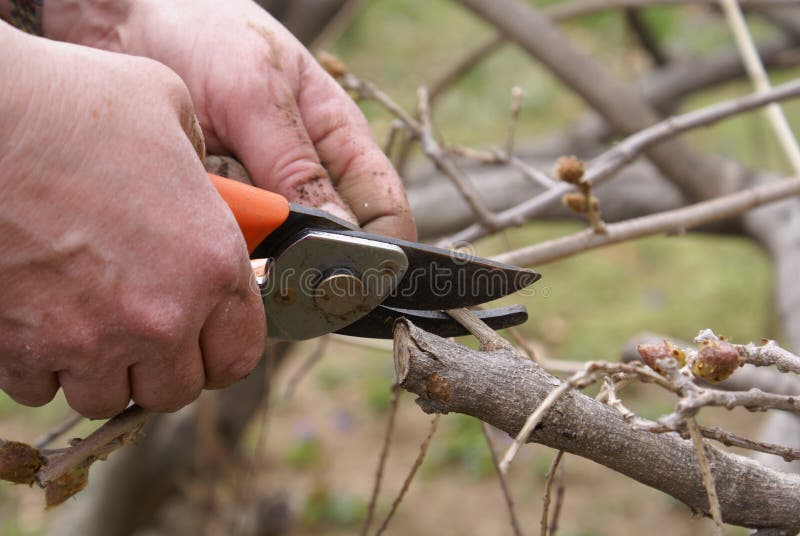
pixel 443 279
pixel 379 324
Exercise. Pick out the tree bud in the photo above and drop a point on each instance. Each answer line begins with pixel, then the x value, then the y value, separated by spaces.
pixel 716 361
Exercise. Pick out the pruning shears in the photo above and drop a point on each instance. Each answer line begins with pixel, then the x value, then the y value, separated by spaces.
pixel 323 275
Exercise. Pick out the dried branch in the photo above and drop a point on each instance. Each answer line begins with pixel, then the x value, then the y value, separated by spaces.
pixel 384 455
pixel 618 103
pixel 54 433
pixel 512 514
pixel 673 221
pixel 769 354
pixel 463 65
pixel 423 449
pixel 488 338
pixel 433 150
pixel 607 164
pixel 732 440
pixel 645 37
pixel 112 435
pixel 705 472
pixel 337 25
pixel 305 366
pixel 503 390
pixel 580 8
pixel 548 487
pixel 755 68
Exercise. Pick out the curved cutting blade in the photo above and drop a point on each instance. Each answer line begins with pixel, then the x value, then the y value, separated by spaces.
pixel 379 324
pixel 443 279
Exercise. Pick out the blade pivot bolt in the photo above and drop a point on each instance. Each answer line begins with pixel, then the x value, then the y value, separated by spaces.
pixel 340 294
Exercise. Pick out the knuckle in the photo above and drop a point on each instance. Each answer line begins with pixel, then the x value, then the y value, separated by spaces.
pixel 221 260
pixel 161 321
pixel 81 341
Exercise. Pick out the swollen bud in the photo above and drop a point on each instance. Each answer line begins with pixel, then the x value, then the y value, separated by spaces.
pixel 333 64
pixel 578 202
pixel 569 169
pixel 716 361
pixel 18 462
pixel 651 353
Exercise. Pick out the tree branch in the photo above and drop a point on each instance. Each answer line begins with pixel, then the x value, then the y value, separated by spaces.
pixel 673 221
pixel 621 106
pixel 502 390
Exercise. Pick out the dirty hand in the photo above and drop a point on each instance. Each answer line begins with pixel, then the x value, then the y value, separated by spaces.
pixel 123 275
pixel 260 96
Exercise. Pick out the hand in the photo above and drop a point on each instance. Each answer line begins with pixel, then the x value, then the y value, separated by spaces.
pixel 261 96
pixel 123 275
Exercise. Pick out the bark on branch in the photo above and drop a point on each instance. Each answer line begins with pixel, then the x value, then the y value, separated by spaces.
pixel 502 389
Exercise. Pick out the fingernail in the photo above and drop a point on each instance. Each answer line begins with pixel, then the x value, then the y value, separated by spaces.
pixel 339 211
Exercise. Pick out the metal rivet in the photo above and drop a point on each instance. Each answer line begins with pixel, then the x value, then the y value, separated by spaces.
pixel 284 296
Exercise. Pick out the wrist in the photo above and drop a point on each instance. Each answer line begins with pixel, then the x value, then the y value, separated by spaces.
pixel 93 23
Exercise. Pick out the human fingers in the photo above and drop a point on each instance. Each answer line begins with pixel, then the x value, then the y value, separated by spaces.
pixel 27 387
pixel 360 171
pixel 270 139
pixel 166 383
pixel 96 394
pixel 232 339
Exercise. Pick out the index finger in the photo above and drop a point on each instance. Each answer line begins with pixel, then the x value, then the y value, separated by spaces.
pixel 358 168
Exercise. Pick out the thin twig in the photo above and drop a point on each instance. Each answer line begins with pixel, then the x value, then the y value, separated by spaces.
pixel 732 440
pixel 671 221
pixel 580 8
pixel 338 25
pixel 433 150
pixel 560 489
pixel 531 423
pixel 423 449
pixel 769 354
pixel 384 455
pixel 607 164
pixel 307 364
pixel 513 111
pixel 553 365
pixel 395 131
pixel 112 435
pixel 72 420
pixel 453 74
pixel 755 68
pixel 548 485
pixel 360 342
pixel 648 42
pixel 488 337
pixel 512 514
pixel 705 472
pixel 591 372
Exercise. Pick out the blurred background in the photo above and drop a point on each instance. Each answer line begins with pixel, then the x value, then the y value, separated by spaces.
pixel 308 457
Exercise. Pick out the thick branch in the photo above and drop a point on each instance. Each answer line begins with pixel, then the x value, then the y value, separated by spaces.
pixel 501 389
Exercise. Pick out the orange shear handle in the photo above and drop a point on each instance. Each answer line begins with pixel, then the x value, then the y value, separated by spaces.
pixel 258 212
